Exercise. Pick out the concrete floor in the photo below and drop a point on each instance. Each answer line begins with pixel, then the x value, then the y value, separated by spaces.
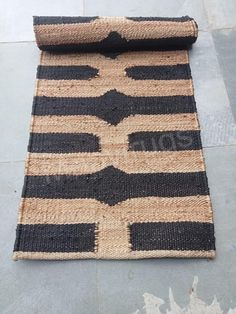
pixel 110 287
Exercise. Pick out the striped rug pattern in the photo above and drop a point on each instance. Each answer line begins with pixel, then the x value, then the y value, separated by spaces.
pixel 115 168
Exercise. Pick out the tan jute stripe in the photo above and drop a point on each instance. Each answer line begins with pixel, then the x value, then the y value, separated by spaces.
pixel 104 83
pixel 129 162
pixel 130 255
pixel 136 123
pixel 127 59
pixel 144 209
pixel 113 237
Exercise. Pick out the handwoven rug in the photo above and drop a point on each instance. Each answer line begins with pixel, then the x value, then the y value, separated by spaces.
pixel 115 168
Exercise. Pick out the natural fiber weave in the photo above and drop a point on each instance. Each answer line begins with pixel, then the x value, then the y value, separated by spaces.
pixel 115 167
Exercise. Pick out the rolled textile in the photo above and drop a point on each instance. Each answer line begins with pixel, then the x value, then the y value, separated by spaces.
pixel 94 34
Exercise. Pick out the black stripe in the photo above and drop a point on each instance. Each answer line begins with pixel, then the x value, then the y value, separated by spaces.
pixel 167 19
pixel 80 72
pixel 55 238
pixel 63 143
pixel 112 185
pixel 163 72
pixel 165 141
pixel 113 106
pixel 172 236
pixel 47 20
pixel 114 42
pixel 111 55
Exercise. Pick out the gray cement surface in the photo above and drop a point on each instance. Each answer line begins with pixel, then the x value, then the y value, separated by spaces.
pixel 110 287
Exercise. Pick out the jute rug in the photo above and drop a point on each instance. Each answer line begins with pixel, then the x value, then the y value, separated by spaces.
pixel 115 167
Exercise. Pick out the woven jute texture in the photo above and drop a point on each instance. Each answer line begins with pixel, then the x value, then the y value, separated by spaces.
pixel 115 168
